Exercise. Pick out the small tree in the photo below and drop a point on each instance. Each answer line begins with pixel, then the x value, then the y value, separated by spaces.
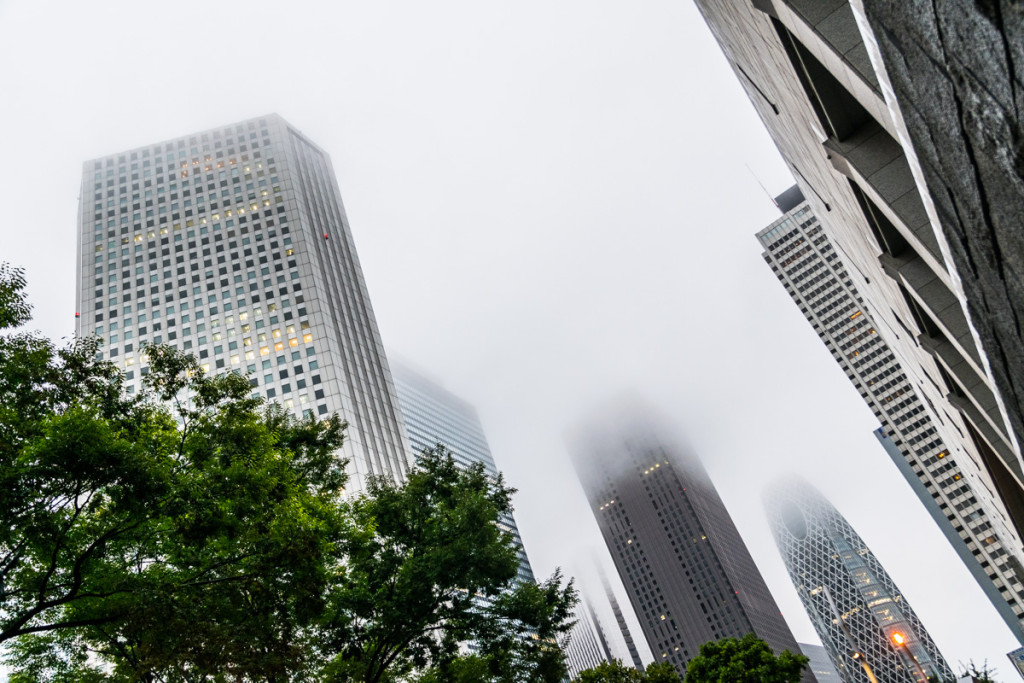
pixel 744 660
pixel 616 672
pixel 421 555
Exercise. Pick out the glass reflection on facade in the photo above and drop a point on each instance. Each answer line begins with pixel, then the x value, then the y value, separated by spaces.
pixel 854 605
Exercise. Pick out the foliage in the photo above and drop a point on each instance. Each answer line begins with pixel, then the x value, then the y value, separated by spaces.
pixel 982 674
pixel 186 530
pixel 744 660
pixel 193 534
pixel 427 568
pixel 616 672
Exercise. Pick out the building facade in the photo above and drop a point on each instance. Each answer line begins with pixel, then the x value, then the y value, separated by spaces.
pixel 853 604
pixel 820 664
pixel 939 466
pixel 586 646
pixel 435 416
pixel 906 151
pixel 688 574
pixel 233 244
pixel 620 621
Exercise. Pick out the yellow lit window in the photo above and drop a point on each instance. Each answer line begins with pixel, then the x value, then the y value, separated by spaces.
pixel 235 360
pixel 264 350
pixel 307 338
pixel 216 336
pixel 277 334
pixel 205 367
pixel 293 342
pixel 249 355
pixel 279 346
pixel 248 340
pixel 129 361
pixel 243 315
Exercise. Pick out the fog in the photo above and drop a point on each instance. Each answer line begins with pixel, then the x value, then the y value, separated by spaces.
pixel 553 203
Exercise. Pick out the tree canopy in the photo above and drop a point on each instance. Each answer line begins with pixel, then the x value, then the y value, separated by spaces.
pixel 744 660
pixel 616 672
pixel 193 533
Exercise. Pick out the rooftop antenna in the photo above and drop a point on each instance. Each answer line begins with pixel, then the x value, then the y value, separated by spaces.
pixel 758 181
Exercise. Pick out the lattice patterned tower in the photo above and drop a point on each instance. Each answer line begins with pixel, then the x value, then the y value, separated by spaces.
pixel 936 457
pixel 233 244
pixel 838 578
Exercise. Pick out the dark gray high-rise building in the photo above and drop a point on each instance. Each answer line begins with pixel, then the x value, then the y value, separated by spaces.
pixel 433 415
pixel 935 457
pixel 233 244
pixel 685 568
pixel 853 604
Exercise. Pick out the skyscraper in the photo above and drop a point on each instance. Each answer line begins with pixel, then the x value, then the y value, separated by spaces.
pixel 586 646
pixel 434 416
pixel 233 244
pixel 900 123
pixel 854 605
pixel 936 457
pixel 820 664
pixel 688 573
pixel 620 620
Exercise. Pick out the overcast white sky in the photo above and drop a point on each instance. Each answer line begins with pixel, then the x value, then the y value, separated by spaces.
pixel 552 206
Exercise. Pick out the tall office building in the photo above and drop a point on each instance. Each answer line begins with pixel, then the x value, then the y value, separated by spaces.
pixel 820 664
pixel 620 621
pixel 853 604
pixel 434 416
pixel 688 573
pixel 586 646
pixel 939 466
pixel 233 244
pixel 901 123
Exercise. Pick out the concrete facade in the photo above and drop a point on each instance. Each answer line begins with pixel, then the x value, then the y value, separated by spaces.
pixel 233 244
pixel 944 293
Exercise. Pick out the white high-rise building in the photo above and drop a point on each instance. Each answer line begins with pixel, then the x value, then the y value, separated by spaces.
pixel 936 456
pixel 233 244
